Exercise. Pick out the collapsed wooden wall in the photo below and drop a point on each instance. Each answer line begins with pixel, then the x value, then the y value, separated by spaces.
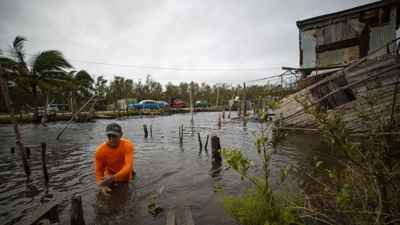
pixel 375 78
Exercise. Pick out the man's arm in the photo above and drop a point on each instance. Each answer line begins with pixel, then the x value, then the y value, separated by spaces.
pixel 126 171
pixel 100 168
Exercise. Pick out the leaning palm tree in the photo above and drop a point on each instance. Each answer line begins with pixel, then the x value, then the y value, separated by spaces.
pixel 46 69
pixel 83 87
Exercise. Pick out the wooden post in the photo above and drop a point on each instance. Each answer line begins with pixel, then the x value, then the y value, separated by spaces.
pixel 10 108
pixel 28 152
pixel 77 211
pixel 216 149
pixel 44 166
pixel 181 134
pixel 205 145
pixel 219 121
pixel 396 90
pixel 223 114
pixel 200 144
pixel 239 108
pixel 151 130
pixel 146 134
pixel 244 100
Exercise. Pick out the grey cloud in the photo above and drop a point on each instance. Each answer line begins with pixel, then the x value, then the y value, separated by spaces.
pixel 170 33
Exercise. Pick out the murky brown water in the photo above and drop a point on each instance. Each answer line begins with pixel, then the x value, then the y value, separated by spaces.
pixel 181 173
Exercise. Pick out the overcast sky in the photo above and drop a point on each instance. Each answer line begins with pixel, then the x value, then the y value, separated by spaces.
pixel 214 41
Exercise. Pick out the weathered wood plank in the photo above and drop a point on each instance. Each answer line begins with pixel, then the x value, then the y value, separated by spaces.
pixel 171 217
pixel 188 219
pixel 48 211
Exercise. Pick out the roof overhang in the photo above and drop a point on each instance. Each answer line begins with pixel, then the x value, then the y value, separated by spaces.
pixel 345 13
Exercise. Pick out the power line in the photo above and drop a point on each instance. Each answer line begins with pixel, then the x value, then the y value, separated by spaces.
pixel 179 69
pixel 166 68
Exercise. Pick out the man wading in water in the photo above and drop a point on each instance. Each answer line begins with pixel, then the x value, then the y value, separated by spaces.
pixel 114 159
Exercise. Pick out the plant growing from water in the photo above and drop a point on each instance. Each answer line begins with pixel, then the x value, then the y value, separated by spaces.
pixel 260 204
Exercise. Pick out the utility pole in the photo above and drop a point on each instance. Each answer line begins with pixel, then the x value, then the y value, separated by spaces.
pixel 217 96
pixel 191 103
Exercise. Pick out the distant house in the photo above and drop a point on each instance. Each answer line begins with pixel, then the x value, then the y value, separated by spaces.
pixel 340 38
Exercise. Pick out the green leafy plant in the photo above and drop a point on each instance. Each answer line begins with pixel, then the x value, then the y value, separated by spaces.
pixel 260 204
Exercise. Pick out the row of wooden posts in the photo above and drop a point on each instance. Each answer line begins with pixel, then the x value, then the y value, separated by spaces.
pixel 25 163
pixel 215 143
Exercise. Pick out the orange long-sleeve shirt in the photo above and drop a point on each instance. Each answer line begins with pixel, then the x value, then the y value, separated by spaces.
pixel 115 161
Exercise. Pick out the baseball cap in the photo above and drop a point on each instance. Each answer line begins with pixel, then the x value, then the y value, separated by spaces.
pixel 114 128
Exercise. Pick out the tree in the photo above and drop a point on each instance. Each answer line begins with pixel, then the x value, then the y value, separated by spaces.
pixel 46 69
pixel 100 88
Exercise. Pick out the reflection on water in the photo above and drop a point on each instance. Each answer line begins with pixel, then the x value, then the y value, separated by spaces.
pixel 187 175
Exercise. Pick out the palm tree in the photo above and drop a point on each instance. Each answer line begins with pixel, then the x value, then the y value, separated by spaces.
pixel 47 69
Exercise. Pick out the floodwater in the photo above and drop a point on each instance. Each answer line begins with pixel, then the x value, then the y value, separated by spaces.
pixel 166 173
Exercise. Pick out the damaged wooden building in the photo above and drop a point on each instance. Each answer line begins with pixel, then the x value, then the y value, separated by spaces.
pixel 346 57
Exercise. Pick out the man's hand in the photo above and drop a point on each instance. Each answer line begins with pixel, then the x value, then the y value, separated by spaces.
pixel 107 181
pixel 106 190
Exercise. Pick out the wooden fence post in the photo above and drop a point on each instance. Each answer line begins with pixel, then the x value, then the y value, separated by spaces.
pixel 146 134
pixel 216 149
pixel 200 144
pixel 77 211
pixel 28 152
pixel 181 134
pixel 205 146
pixel 44 166
pixel 151 130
